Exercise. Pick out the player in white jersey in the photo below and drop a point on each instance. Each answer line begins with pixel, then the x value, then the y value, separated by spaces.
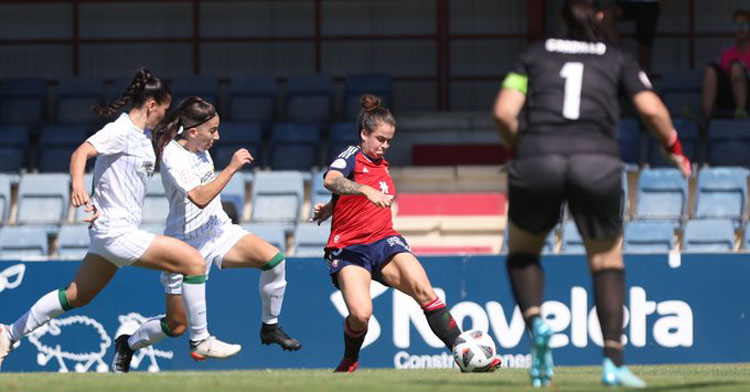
pixel 197 217
pixel 125 161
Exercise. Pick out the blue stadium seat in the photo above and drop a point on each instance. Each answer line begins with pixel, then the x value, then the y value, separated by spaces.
pixel 4 197
pixel 746 239
pixel 233 136
pixel 21 242
pixel 355 85
pixel 662 195
pixel 729 142
pixel 319 193
pixel 341 136
pixel 74 100
pixel 43 199
pixel 708 235
pixel 73 242
pixel 680 102
pixel 572 243
pixel 234 193
pixel 156 204
pixel 309 99
pixel 649 237
pixel 252 99
pixel 277 196
pixel 688 133
pixel 273 233
pixel 680 80
pixel 625 196
pixel 81 211
pixel 23 101
pixel 13 147
pixel 294 146
pixel 629 138
pixel 204 86
pixel 56 144
pixel 722 194
pixel 310 239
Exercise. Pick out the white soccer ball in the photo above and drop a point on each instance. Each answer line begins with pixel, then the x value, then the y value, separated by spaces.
pixel 474 351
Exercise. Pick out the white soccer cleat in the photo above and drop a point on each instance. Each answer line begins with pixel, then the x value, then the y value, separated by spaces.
pixel 213 348
pixel 6 344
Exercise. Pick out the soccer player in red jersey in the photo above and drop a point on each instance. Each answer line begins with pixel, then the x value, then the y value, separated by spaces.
pixel 363 244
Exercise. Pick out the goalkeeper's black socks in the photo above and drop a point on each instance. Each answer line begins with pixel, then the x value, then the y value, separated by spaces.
pixel 441 322
pixel 609 294
pixel 352 341
pixel 527 281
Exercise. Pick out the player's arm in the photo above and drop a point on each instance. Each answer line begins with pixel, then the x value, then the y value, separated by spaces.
pixel 656 116
pixel 79 195
pixel 336 182
pixel 508 105
pixel 202 195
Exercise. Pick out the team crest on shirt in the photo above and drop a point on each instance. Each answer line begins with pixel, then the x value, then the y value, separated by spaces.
pixel 147 167
pixel 187 176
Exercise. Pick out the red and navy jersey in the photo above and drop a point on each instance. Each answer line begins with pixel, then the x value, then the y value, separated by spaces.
pixel 355 219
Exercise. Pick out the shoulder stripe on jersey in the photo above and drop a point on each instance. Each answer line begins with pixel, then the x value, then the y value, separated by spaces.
pixel 349 152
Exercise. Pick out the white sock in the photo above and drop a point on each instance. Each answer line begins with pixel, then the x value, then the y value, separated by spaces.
pixel 49 306
pixel 194 295
pixel 272 285
pixel 150 332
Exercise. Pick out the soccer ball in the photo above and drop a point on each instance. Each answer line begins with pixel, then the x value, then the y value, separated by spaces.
pixel 474 351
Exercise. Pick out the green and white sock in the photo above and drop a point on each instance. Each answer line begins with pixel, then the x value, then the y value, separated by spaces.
pixel 272 285
pixel 194 296
pixel 46 308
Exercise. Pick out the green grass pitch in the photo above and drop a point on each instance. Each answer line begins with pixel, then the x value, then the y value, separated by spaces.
pixel 715 378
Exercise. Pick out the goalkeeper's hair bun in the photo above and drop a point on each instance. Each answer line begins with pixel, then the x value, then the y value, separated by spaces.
pixel 372 114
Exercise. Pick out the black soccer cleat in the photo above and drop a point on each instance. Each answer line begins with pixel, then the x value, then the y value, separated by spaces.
pixel 272 333
pixel 123 355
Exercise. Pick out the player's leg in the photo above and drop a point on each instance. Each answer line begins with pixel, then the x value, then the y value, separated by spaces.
pixel 172 255
pixel 93 274
pixel 153 330
pixel 596 204
pixel 405 273
pixel 710 89
pixel 535 192
pixel 250 251
pixel 354 282
pixel 738 77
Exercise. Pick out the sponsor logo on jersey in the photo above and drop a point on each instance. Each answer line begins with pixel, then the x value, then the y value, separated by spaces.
pixel 207 177
pixel 147 167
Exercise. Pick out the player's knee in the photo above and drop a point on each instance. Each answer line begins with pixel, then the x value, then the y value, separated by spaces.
pixel 359 318
pixel 194 265
pixel 737 70
pixel 521 261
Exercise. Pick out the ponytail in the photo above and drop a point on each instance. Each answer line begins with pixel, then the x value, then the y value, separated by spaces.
pixel 141 88
pixel 581 22
pixel 190 113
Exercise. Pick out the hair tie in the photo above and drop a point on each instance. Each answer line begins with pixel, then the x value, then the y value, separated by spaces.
pixel 180 130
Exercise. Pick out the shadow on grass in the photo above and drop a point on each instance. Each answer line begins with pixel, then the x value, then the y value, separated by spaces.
pixel 695 385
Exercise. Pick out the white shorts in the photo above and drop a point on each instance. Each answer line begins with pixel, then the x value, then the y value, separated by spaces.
pixel 121 248
pixel 212 246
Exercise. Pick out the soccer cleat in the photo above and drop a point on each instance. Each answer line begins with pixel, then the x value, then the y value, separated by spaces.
pixel 212 348
pixel 496 362
pixel 272 333
pixel 619 376
pixel 347 365
pixel 542 368
pixel 6 344
pixel 123 355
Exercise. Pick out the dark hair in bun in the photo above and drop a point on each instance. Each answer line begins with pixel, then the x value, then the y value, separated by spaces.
pixel 373 114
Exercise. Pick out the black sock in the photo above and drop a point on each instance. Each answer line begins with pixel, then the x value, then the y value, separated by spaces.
pixel 527 281
pixel 352 341
pixel 609 294
pixel 441 322
pixel 266 327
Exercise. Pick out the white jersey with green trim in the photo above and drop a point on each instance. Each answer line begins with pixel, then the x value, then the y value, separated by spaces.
pixel 125 162
pixel 181 171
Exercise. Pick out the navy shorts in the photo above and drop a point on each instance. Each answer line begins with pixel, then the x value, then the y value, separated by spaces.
pixel 372 257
